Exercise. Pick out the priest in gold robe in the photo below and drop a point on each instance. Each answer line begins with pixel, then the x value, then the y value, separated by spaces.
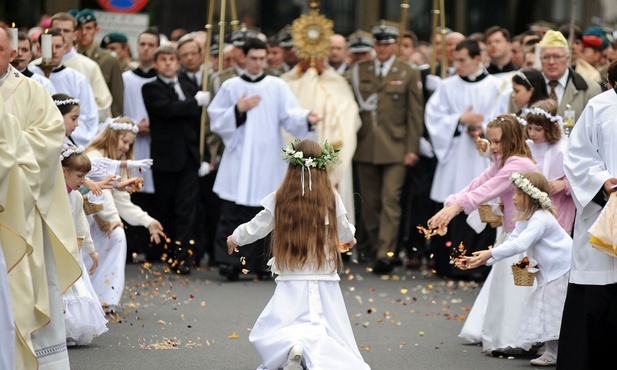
pixel 321 89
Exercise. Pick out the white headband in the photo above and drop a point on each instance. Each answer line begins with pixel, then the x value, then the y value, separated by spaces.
pixel 541 112
pixel 70 151
pixel 121 126
pixel 71 101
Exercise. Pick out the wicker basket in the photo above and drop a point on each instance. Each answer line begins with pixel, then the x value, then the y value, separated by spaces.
pixel 522 277
pixel 103 225
pixel 487 215
pixel 90 208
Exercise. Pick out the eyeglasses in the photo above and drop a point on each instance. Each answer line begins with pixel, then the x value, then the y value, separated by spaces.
pixel 557 58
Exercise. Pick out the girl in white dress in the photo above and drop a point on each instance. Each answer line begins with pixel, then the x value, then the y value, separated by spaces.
pixel 538 233
pixel 114 145
pixel 305 325
pixel 83 316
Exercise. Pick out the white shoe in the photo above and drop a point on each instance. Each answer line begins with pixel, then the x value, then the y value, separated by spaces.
pixel 544 360
pixel 294 358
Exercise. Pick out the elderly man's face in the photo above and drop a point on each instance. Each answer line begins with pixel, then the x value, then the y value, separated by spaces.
pixel 6 52
pixel 554 62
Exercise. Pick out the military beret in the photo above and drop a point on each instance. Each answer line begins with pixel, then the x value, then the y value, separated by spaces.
pixel 360 42
pixel 112 37
pixel 73 12
pixel 84 16
pixel 595 37
pixel 385 33
pixel 284 37
pixel 239 37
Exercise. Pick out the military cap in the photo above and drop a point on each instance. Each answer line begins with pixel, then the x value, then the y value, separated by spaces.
pixel 73 12
pixel 554 39
pixel 284 37
pixel 595 37
pixel 385 32
pixel 239 37
pixel 84 16
pixel 360 42
pixel 112 37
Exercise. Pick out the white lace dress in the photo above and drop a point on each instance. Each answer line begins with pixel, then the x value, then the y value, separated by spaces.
pixel 83 315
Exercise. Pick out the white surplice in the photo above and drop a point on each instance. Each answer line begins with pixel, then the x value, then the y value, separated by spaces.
pixel 135 109
pixel 75 84
pixel 458 160
pixel 251 166
pixel 590 159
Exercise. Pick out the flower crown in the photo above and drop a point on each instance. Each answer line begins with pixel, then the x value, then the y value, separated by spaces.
pixel 528 188
pixel 541 112
pixel 71 101
pixel 327 158
pixel 121 126
pixel 70 151
pixel 521 120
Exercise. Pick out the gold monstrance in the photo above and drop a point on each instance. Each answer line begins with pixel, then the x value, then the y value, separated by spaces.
pixel 311 34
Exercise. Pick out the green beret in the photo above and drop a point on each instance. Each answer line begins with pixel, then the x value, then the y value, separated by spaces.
pixel 73 12
pixel 112 37
pixel 84 16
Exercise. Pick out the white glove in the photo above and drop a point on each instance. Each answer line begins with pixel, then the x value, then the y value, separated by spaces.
pixel 204 169
pixel 203 98
pixel 433 82
pixel 143 164
pixel 426 148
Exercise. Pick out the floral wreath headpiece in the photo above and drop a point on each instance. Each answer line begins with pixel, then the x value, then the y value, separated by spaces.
pixel 528 188
pixel 327 158
pixel 72 101
pixel 121 126
pixel 70 151
pixel 541 112
pixel 521 120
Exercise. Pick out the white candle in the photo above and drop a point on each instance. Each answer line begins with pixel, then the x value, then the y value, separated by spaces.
pixel 46 47
pixel 13 31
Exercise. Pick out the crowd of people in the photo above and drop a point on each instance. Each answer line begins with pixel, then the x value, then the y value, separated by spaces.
pixel 189 157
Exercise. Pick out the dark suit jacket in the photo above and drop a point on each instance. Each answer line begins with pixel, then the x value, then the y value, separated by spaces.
pixel 174 125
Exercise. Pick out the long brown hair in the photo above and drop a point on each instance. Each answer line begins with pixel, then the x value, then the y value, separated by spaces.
pixel 538 180
pixel 300 237
pixel 512 137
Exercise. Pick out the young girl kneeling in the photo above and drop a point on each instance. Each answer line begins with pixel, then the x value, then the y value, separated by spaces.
pixel 538 233
pixel 305 324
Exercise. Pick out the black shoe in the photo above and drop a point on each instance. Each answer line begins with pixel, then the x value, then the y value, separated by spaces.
pixel 230 272
pixel 383 266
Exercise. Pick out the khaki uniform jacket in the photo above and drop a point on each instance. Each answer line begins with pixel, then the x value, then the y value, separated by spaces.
pixel 396 125
pixel 110 66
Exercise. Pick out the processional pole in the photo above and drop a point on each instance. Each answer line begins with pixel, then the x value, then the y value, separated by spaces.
pixel 404 7
pixel 204 79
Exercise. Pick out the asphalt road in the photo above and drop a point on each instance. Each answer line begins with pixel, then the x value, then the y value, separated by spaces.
pixel 407 320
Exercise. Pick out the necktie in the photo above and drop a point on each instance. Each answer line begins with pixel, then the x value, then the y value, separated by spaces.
pixel 174 85
pixel 380 75
pixel 552 94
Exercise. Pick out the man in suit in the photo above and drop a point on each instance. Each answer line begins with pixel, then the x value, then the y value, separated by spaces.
pixel 173 106
pixel 567 87
pixel 389 93
pixel 87 29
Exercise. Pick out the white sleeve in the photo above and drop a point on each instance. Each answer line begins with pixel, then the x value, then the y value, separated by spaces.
pixel 257 228
pixel 82 228
pixel 130 212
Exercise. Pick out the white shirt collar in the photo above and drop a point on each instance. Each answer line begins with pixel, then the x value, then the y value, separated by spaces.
pixel 386 65
pixel 563 80
pixel 169 80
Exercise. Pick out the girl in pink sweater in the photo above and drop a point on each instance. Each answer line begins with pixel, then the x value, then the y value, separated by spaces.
pixel 495 316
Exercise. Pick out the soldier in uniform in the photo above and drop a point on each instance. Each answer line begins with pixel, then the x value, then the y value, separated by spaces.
pixel 360 46
pixel 110 66
pixel 389 94
pixel 286 41
pixel 118 44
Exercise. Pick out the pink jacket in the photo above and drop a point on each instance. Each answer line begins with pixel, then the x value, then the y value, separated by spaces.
pixel 494 183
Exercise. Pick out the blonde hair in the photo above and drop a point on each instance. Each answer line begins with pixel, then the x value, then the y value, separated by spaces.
pixel 512 137
pixel 107 141
pixel 531 205
pixel 301 237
